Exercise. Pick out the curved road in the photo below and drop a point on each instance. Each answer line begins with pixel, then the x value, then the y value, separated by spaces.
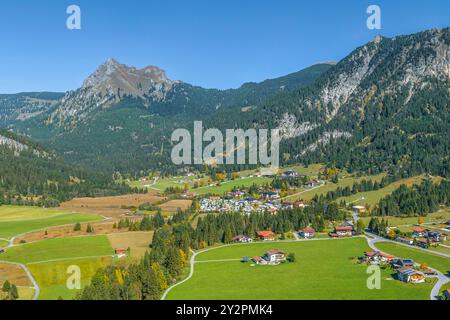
pixel 33 281
pixel 442 279
pixel 30 276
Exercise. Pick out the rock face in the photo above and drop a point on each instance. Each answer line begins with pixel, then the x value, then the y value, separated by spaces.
pixel 109 84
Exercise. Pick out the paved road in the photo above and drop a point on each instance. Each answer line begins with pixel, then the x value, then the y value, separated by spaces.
pixel 299 193
pixel 33 281
pixel 442 279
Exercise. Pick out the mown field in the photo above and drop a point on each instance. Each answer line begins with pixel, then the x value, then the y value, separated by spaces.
pixel 60 248
pixel 10 228
pixel 440 263
pixel 52 277
pixel 323 270
pixel 373 197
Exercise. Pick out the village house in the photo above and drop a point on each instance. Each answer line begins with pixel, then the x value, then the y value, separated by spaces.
pixel 359 209
pixel 378 257
pixel 405 240
pixel 410 275
pixel 343 231
pixel 313 183
pixel 121 253
pixel 270 195
pixel 402 263
pixel 259 260
pixel 419 232
pixel 275 256
pixel 307 233
pixel 266 235
pixel 423 243
pixel 242 239
pixel 435 236
pixel 290 174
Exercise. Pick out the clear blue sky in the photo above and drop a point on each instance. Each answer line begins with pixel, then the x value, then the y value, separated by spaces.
pixel 212 43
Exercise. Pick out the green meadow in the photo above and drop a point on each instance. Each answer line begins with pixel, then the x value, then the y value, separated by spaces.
pixel 52 276
pixel 10 228
pixel 438 262
pixel 323 270
pixel 229 185
pixel 59 249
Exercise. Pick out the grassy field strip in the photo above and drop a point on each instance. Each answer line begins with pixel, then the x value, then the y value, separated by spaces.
pixel 59 248
pixel 222 260
pixel 68 259
pixel 21 213
pixel 20 228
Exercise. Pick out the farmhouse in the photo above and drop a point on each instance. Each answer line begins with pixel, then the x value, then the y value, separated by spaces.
pixel 402 263
pixel 121 252
pixel 359 209
pixel 435 236
pixel 242 239
pixel 405 240
pixel 259 260
pixel 378 257
pixel 343 231
pixel 275 256
pixel 265 235
pixel 419 232
pixel 423 243
pixel 290 174
pixel 410 275
pixel 307 233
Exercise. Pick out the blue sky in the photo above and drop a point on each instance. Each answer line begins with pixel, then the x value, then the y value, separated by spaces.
pixel 212 43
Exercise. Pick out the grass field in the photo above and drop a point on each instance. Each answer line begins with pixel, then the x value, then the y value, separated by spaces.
pixel 343 182
pixel 409 221
pixel 3 243
pixel 52 277
pixel 323 270
pixel 373 197
pixel 229 185
pixel 440 263
pixel 61 248
pixel 22 213
pixel 15 227
pixel 138 242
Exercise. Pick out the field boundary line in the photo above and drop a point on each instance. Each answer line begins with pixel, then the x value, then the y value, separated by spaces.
pixel 68 259
pixel 220 260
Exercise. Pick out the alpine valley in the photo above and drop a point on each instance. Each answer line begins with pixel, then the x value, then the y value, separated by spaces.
pixel 384 107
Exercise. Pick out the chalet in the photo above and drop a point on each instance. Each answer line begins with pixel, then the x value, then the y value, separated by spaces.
pixel 405 240
pixel 259 260
pixel 423 243
pixel 292 205
pixel 307 233
pixel 419 232
pixel 446 294
pixel 402 263
pixel 189 195
pixel 121 252
pixel 275 256
pixel 242 239
pixel 359 209
pixel 410 275
pixel 343 231
pixel 290 174
pixel 313 183
pixel 265 235
pixel 270 195
pixel 436 236
pixel 378 257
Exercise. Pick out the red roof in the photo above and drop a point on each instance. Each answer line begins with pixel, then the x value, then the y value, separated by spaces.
pixel 265 234
pixel 309 230
pixel 419 229
pixel 257 259
pixel 344 228
pixel 274 251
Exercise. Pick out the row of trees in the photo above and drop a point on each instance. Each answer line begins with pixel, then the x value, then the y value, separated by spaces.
pixel 416 200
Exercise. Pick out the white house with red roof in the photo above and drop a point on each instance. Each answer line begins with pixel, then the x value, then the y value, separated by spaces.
pixel 307 233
